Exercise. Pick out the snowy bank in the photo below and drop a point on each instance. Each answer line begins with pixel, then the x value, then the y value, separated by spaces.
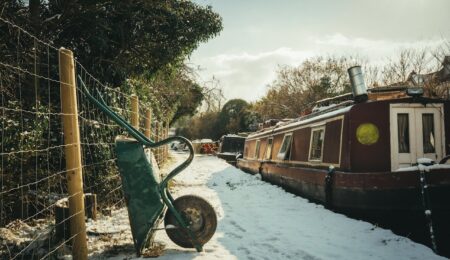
pixel 260 221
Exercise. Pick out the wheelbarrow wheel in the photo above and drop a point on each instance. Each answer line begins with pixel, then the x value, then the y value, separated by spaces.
pixel 200 217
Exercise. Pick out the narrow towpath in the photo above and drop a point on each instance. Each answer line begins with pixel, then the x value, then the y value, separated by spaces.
pixel 258 220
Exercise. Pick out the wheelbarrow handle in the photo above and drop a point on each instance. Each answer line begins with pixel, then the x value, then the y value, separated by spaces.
pixel 141 138
pixel 101 104
pixel 182 166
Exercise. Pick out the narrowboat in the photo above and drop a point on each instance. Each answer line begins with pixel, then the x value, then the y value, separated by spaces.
pixel 379 155
pixel 230 147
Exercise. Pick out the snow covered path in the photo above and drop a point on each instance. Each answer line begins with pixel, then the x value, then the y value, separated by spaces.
pixel 257 220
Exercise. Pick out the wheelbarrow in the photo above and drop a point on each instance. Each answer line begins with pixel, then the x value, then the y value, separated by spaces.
pixel 189 221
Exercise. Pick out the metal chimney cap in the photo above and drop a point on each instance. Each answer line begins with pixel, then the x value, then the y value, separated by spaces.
pixel 356 66
pixel 359 88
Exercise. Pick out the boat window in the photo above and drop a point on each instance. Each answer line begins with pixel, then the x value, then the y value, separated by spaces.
pixel 269 148
pixel 403 133
pixel 285 149
pixel 316 147
pixel 257 149
pixel 428 133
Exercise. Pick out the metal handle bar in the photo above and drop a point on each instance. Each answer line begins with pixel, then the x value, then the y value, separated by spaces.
pixel 444 160
pixel 101 104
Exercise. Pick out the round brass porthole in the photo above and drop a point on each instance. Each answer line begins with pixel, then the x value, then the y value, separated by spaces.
pixel 367 133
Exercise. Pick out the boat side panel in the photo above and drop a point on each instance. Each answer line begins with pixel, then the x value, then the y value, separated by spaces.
pixel 262 148
pixel 300 147
pixel 332 142
pixel 447 127
pixel 250 166
pixel 375 157
pixel 377 191
pixel 277 140
pixel 250 145
pixel 390 190
pixel 306 182
pixel 246 150
pixel 345 150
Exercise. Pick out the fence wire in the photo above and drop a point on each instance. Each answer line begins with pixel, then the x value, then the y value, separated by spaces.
pixel 33 187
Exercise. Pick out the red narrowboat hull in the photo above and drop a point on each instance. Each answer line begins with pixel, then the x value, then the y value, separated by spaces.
pixel 358 191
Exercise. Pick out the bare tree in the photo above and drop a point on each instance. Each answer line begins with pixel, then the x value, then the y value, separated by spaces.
pixel 296 88
pixel 213 95
pixel 399 68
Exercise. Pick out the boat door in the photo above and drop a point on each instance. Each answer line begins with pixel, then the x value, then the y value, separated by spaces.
pixel 416 132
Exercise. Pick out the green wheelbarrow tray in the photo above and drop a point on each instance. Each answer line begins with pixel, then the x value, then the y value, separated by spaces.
pixel 141 190
pixel 192 220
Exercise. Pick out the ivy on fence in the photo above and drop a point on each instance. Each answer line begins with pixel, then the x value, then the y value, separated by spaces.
pixel 32 160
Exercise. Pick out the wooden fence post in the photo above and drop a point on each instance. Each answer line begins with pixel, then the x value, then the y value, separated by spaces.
pixel 157 140
pixel 163 148
pixel 135 111
pixel 148 123
pixel 161 137
pixel 167 136
pixel 73 153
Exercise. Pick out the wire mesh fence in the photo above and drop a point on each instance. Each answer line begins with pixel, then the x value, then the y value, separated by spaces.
pixel 32 149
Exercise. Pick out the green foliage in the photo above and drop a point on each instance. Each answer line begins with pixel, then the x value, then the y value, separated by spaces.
pixel 121 40
pixel 137 47
pixel 232 117
pixel 118 39
pixel 170 94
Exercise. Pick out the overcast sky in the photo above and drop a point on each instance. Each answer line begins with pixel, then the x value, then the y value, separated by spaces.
pixel 259 35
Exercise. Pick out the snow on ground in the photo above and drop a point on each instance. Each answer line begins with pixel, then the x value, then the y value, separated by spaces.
pixel 257 220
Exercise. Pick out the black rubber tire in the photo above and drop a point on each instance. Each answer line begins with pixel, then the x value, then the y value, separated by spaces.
pixel 192 207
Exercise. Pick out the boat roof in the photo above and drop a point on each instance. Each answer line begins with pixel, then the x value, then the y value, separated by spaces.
pixel 304 120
